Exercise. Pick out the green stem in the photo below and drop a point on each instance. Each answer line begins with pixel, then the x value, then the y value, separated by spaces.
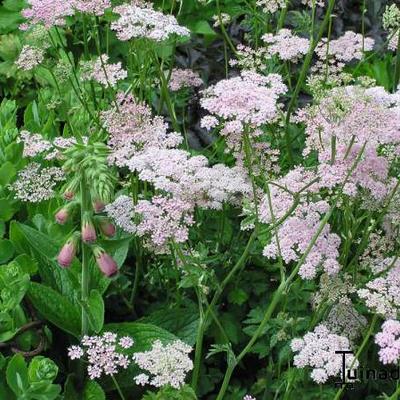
pixel 284 285
pixel 397 68
pixel 359 351
pixel 121 395
pixel 85 259
pixel 303 74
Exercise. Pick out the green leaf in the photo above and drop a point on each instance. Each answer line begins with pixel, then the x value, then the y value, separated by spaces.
pixel 203 28
pixel 182 322
pixel 93 391
pixel 27 264
pixel 7 173
pixel 6 250
pixel 6 209
pixel 96 311
pixel 56 308
pixel 30 241
pixel 17 374
pixel 237 296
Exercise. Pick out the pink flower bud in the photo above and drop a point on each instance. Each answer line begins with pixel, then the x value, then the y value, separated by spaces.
pixel 69 195
pixel 67 253
pixel 107 227
pixel 105 262
pixel 88 232
pixel 98 206
pixel 62 216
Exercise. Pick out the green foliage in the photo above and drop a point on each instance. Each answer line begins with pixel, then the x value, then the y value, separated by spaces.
pixel 33 382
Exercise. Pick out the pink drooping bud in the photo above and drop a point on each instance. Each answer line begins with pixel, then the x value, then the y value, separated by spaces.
pixel 69 195
pixel 88 231
pixel 68 251
pixel 98 206
pixel 62 216
pixel 105 262
pixel 107 227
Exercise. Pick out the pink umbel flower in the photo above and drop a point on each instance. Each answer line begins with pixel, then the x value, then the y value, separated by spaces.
pixel 34 144
pixel 286 46
pixel 29 58
pixel 382 294
pixel 133 129
pixel 164 364
pixel 183 78
pixel 94 7
pixel 101 71
pixel 389 342
pixel 47 12
pixel 317 350
pixel 68 251
pixel 163 220
pixel 190 178
pixel 104 354
pixel 297 230
pixel 346 48
pixel 143 21
pixel 121 211
pixel 105 262
pixel 247 101
pixel 271 6
pixel 248 397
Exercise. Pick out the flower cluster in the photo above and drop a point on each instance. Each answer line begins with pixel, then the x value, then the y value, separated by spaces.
pixel 183 78
pixel 348 47
pixel 144 22
pixel 102 72
pixel 286 46
pixel 133 129
pixel 190 178
pixel 94 7
pixel 382 294
pixel 344 319
pixel 34 144
pixel 305 218
pixel 121 211
pixel 104 354
pixel 271 6
pixel 47 12
pixel 35 184
pixel 164 364
pixel 29 58
pixel 164 220
pixel 348 124
pixel 317 350
pixel 389 342
pixel 249 100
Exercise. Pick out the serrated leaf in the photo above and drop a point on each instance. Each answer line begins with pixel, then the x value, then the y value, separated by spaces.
pixel 55 308
pixel 93 391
